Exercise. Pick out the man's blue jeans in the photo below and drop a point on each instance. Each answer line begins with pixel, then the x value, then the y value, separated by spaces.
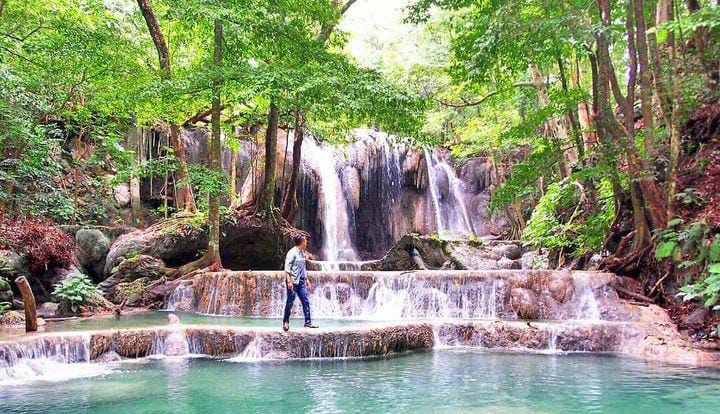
pixel 301 291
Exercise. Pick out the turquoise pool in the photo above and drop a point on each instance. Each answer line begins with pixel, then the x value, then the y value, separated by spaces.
pixel 423 382
pixel 147 319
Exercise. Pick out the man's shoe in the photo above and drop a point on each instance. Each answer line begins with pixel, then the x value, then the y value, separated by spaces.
pixel 286 326
pixel 310 325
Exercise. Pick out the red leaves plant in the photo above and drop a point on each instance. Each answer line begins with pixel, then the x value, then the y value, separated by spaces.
pixel 43 245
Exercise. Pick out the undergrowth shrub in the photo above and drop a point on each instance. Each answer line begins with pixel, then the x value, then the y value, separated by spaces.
pixel 561 220
pixel 695 251
pixel 76 290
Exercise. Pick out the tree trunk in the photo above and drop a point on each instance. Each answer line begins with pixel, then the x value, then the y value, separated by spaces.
pixel 289 204
pixel 233 176
pixel 289 208
pixel 571 114
pixel 668 91
pixel 28 298
pixel 646 196
pixel 135 213
pixel 645 78
pixel 266 203
pixel 213 250
pixel 183 190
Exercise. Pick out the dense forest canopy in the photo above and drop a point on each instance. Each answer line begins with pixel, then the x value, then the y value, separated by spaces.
pixel 582 106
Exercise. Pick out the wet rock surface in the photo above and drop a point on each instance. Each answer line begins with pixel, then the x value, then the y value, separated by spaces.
pixel 132 274
pixel 510 294
pixel 525 303
pixel 92 248
pixel 648 339
pixel 461 254
pixel 246 242
pixel 12 318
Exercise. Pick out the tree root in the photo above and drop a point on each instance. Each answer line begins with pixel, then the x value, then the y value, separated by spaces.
pixel 632 295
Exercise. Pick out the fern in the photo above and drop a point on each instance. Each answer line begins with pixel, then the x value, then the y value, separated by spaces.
pixel 714 251
pixel 693 249
pixel 666 249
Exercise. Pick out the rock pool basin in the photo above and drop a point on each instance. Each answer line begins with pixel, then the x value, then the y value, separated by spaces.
pixel 441 380
pixel 139 363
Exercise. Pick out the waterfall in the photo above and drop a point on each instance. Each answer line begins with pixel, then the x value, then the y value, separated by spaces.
pixel 588 307
pixel 47 358
pixel 446 191
pixel 253 351
pixel 181 298
pixel 337 244
pixel 552 339
pixel 384 295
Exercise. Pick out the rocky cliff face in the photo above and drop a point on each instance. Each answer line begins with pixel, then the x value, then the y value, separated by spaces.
pixel 386 188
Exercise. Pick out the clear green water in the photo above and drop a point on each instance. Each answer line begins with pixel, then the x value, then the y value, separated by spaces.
pixel 160 318
pixel 424 382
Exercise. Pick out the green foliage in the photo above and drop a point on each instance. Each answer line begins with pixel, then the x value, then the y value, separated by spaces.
pixel 207 181
pixel 76 290
pixel 695 251
pixel 474 240
pixel 4 307
pixel 707 289
pixel 560 222
pixel 435 237
pixel 523 182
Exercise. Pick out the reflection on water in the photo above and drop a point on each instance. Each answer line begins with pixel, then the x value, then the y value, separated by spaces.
pixel 425 382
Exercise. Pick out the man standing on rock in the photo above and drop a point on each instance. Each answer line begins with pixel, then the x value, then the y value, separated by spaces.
pixel 296 282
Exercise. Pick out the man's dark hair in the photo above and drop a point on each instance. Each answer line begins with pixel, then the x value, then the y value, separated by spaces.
pixel 298 240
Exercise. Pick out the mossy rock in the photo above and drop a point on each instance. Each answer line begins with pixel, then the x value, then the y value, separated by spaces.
pixel 12 264
pixel 130 292
pixel 4 284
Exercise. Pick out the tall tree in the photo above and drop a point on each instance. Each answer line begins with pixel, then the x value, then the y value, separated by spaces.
pixel 289 203
pixel 183 189
pixel 213 250
pixel 266 203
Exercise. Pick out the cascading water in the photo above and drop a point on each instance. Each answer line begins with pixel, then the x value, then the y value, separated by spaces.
pixel 47 358
pixel 181 298
pixel 337 244
pixel 451 213
pixel 392 295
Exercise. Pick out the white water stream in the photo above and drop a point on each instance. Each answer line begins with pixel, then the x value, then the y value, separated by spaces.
pixel 337 244
pixel 451 213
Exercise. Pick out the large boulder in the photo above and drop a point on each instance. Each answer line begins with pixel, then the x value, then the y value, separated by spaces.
pixel 47 310
pixel 12 265
pixel 525 303
pixel 561 288
pixel 436 253
pixel 246 242
pixel 92 249
pixel 131 293
pixel 6 294
pixel 175 241
pixel 94 305
pixel 534 261
pixel 510 251
pixel 122 283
